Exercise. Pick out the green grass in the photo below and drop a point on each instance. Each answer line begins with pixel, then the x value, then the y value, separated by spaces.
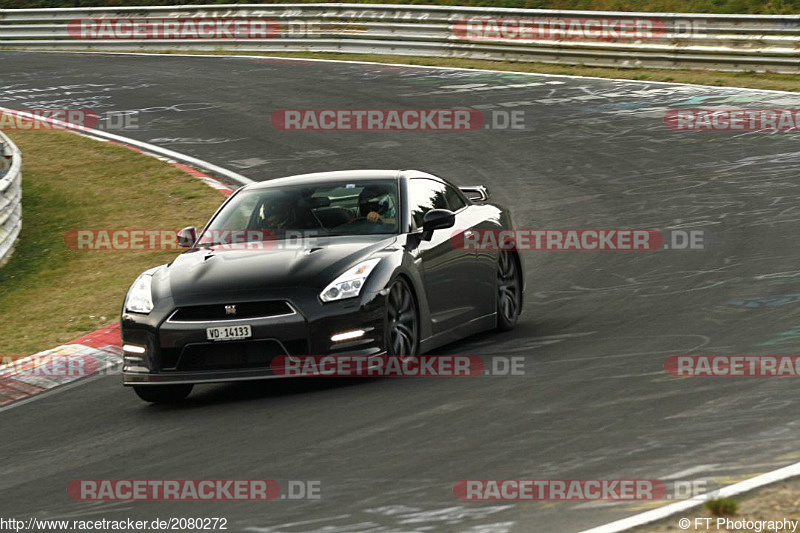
pixel 680 6
pixel 50 294
pixel 722 506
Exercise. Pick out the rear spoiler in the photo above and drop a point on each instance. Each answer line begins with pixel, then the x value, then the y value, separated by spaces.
pixel 476 193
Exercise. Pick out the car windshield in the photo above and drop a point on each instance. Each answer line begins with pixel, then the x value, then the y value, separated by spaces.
pixel 322 209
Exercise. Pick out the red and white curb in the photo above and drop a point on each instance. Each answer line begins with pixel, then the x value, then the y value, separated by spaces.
pixel 97 353
pixel 100 352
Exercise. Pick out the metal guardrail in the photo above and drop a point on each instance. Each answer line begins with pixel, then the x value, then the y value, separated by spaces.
pixel 698 41
pixel 10 196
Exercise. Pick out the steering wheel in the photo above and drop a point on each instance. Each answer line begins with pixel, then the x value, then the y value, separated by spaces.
pixel 360 223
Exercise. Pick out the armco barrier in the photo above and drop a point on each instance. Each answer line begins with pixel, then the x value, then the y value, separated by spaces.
pixel 10 196
pixel 698 41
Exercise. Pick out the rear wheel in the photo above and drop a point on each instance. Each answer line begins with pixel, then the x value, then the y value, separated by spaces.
pixel 509 291
pixel 163 393
pixel 403 320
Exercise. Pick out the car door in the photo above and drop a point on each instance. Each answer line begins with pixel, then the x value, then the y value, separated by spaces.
pixel 475 219
pixel 448 271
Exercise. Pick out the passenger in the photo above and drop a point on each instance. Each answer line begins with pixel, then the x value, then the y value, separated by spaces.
pixel 377 205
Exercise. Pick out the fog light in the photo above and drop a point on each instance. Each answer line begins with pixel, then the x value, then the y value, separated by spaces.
pixel 133 348
pixel 348 335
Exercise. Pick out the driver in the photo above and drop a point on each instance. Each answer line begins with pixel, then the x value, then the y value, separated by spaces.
pixel 378 204
pixel 276 213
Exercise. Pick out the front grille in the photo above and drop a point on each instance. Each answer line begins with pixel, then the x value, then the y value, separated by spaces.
pixel 205 313
pixel 230 356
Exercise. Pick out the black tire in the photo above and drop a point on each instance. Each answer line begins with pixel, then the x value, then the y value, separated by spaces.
pixel 402 320
pixel 163 393
pixel 509 291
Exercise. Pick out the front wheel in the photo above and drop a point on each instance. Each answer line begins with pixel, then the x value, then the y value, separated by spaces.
pixel 509 291
pixel 163 393
pixel 403 320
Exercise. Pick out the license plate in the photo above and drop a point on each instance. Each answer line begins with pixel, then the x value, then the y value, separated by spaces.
pixel 229 333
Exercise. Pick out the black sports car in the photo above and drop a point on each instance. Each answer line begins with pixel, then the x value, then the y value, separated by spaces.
pixel 354 262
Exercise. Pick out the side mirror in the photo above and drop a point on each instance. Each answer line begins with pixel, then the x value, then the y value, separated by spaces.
pixel 437 219
pixel 187 237
pixel 476 193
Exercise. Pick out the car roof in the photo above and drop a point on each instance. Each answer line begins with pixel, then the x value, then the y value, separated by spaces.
pixel 349 175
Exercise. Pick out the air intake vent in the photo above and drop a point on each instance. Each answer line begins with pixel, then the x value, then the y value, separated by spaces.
pixel 231 311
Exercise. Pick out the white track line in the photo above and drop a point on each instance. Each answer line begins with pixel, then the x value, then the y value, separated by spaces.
pixel 406 65
pixel 147 147
pixel 674 508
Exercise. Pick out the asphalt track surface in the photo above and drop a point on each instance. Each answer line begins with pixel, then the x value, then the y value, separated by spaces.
pixel 597 326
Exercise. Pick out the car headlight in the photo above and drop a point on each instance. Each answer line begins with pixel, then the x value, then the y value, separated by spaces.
pixel 140 295
pixel 349 284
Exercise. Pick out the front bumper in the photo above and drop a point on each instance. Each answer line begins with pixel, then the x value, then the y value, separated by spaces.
pixel 178 352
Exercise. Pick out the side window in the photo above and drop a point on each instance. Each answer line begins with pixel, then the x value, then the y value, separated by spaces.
pixel 425 194
pixel 454 200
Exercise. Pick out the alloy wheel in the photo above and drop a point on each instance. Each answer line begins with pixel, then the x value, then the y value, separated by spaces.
pixel 508 289
pixel 403 321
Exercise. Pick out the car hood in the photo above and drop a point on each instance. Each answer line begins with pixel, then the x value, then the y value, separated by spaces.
pixel 314 264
